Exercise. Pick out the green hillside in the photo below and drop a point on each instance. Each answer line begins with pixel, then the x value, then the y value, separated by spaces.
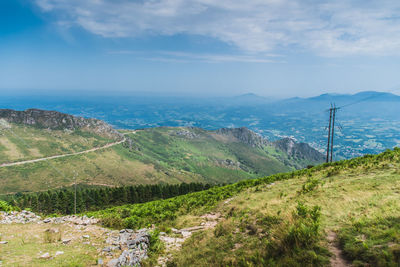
pixel 20 142
pixel 158 155
pixel 303 218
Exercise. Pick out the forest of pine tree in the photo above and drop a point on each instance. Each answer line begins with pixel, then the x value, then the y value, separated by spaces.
pixel 88 199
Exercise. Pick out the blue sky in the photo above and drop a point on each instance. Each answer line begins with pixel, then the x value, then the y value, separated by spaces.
pixel 203 47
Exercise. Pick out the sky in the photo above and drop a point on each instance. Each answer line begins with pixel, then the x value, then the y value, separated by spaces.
pixel 278 48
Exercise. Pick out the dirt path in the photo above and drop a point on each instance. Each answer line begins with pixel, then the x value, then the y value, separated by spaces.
pixel 174 243
pixel 61 156
pixel 337 260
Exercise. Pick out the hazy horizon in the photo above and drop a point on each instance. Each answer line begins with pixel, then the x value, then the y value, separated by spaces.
pixel 162 94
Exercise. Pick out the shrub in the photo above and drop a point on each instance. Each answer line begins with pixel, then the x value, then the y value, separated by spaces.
pixel 297 242
pixel 4 206
pixel 52 235
pixel 310 184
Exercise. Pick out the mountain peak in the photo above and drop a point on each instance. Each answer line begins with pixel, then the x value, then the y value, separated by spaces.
pixel 298 150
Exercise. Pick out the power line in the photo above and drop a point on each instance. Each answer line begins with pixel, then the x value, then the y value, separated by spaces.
pixel 370 97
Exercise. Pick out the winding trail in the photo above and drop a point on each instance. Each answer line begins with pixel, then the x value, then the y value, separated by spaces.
pixel 62 156
pixel 337 260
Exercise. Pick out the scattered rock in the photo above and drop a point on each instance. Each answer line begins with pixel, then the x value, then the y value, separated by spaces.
pixel 66 241
pixel 84 220
pixel 111 248
pixel 45 256
pixel 3 242
pixel 86 236
pixel 228 200
pixel 52 230
pixel 18 217
pixel 113 263
pixel 58 253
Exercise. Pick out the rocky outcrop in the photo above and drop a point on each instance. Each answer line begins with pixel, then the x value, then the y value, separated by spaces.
pixel 186 134
pixel 244 135
pixel 133 244
pixel 298 150
pixel 58 121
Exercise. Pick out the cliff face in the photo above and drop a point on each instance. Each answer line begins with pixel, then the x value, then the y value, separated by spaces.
pixel 58 121
pixel 299 151
pixel 245 135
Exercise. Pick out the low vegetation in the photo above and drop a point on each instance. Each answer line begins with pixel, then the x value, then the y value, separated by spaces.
pixel 376 241
pixel 4 206
pixel 284 219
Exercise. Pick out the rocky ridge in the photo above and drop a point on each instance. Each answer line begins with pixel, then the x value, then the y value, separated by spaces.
pixel 287 145
pixel 298 150
pixel 55 120
pixel 245 136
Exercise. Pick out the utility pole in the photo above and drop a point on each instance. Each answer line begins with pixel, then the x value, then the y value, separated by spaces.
pixel 75 193
pixel 329 134
pixel 333 129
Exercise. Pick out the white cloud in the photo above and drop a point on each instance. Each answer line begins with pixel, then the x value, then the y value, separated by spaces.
pixel 184 57
pixel 330 28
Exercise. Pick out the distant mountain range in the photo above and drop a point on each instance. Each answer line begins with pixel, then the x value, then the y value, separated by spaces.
pixel 368 122
pixel 361 96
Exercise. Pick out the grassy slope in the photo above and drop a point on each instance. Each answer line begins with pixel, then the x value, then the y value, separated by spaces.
pixel 157 155
pixel 263 224
pixel 20 143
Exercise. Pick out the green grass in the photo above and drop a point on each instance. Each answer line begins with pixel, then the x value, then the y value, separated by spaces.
pixel 376 241
pixel 264 224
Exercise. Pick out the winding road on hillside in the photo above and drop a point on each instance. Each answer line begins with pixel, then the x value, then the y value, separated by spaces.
pixel 63 155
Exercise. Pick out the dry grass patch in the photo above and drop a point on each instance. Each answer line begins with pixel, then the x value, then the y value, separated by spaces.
pixel 26 243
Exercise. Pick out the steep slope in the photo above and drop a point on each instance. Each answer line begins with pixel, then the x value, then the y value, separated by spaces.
pixel 346 212
pixel 157 155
